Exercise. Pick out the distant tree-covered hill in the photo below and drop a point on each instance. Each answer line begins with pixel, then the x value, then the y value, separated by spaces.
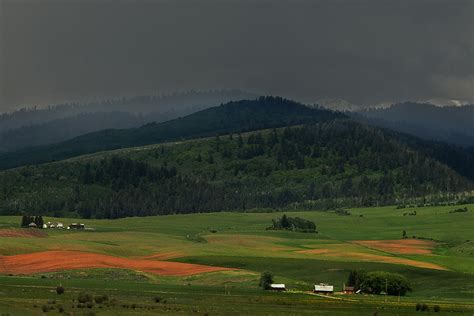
pixel 42 126
pixel 178 102
pixel 452 124
pixel 319 165
pixel 239 116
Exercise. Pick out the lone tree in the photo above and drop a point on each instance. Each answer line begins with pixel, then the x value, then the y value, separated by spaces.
pixel 26 220
pixel 266 279
pixel 60 289
pixel 39 221
pixel 284 221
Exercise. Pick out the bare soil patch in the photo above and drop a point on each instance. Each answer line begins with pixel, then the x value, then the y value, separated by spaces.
pixel 400 246
pixel 352 254
pixel 395 260
pixel 50 261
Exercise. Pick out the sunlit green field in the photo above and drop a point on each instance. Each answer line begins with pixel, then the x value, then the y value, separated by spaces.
pixel 443 275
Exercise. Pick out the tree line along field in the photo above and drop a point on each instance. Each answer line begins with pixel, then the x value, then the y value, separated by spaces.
pixel 437 257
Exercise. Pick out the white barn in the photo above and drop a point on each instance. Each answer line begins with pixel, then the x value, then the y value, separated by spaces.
pixel 323 288
pixel 277 287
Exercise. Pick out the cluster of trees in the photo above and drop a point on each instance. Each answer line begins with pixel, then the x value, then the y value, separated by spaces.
pixel 137 189
pixel 27 220
pixel 379 281
pixel 293 223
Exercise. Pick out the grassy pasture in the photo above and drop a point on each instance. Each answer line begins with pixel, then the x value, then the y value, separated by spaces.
pixel 240 240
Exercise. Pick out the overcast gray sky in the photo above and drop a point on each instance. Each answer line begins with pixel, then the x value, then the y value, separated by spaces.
pixel 363 51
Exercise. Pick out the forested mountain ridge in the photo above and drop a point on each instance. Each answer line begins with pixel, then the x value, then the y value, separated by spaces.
pixel 180 103
pixel 238 116
pixel 452 124
pixel 30 127
pixel 321 165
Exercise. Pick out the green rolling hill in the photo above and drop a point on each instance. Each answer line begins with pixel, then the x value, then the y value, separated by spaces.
pixel 327 165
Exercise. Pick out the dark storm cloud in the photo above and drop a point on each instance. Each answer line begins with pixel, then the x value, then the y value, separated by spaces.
pixel 364 51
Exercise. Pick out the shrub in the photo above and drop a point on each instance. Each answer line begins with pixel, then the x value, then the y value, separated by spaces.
pixel 60 309
pixel 437 309
pixel 45 308
pixel 60 290
pixel 90 304
pixel 425 308
pixel 157 299
pixel 342 212
pixel 266 279
pixel 460 210
pixel 84 297
pixel 99 299
pixel 418 307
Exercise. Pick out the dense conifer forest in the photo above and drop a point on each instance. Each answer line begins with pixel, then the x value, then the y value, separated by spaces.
pixel 316 166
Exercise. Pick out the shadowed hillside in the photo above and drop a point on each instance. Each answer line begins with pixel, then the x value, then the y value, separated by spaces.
pixel 43 126
pixel 246 115
pixel 449 124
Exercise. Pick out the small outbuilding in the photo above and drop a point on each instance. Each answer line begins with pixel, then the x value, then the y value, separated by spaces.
pixel 323 288
pixel 277 287
pixel 348 290
pixel 77 226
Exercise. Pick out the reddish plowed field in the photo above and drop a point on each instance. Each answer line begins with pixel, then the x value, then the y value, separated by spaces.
pixel 25 232
pixel 50 261
pixel 395 260
pixel 401 246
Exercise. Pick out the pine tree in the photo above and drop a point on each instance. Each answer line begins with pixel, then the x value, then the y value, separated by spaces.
pixel 25 221
pixel 240 141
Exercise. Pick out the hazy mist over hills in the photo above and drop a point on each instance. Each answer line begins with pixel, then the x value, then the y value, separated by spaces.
pixel 452 124
pixel 42 126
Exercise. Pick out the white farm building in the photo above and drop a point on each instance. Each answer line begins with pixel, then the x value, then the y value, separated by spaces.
pixel 323 288
pixel 277 287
